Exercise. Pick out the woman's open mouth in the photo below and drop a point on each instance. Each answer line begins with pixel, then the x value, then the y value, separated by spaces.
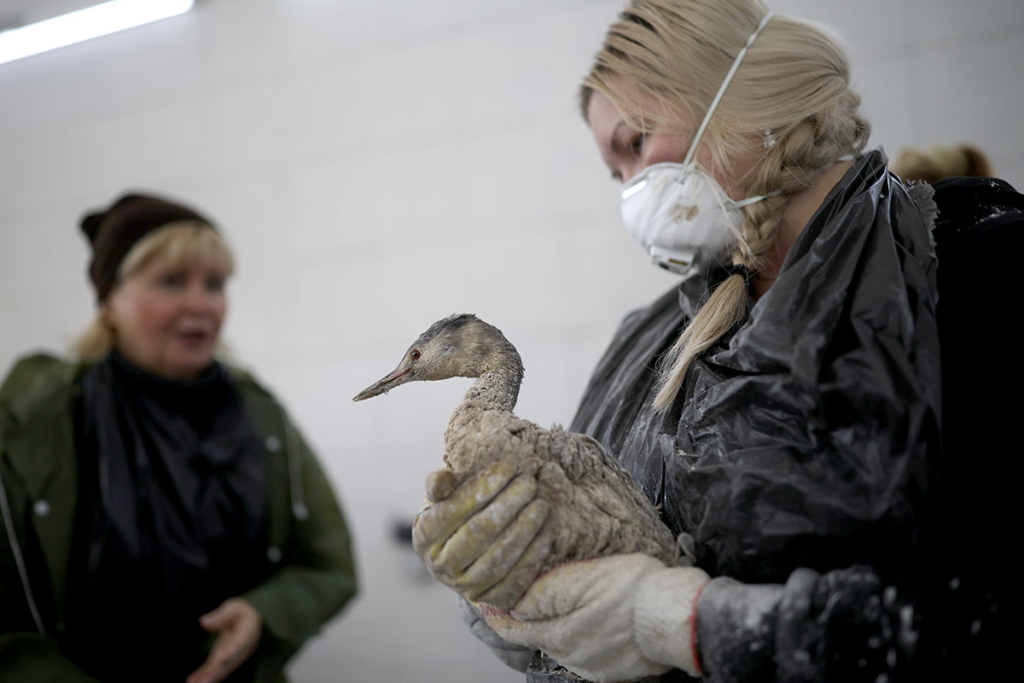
pixel 194 337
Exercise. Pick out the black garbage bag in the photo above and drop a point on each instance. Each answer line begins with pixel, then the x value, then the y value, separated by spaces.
pixel 970 581
pixel 803 438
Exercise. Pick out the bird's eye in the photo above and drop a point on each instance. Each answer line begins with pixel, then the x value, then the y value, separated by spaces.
pixel 415 355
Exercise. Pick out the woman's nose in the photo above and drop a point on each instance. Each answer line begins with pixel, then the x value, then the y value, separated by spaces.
pixel 629 171
pixel 198 297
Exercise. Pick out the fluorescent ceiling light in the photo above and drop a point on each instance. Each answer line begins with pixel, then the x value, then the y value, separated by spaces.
pixel 91 22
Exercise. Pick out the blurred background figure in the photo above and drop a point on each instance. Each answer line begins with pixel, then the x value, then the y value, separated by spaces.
pixel 932 164
pixel 162 517
pixel 380 165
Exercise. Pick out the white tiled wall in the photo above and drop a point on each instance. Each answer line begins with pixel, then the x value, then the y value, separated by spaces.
pixel 378 165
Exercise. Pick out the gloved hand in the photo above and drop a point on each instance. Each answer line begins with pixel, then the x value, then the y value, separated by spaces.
pixel 514 656
pixel 479 539
pixel 609 619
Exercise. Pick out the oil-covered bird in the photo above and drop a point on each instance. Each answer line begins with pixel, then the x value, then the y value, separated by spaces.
pixel 595 507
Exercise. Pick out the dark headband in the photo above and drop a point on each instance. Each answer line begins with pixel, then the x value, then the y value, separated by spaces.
pixel 113 232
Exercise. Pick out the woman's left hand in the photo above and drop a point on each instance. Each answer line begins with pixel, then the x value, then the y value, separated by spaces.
pixel 238 626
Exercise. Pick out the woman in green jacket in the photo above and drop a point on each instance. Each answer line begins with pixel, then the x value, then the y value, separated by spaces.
pixel 160 516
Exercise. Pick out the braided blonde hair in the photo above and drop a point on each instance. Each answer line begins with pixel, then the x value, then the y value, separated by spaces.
pixel 789 105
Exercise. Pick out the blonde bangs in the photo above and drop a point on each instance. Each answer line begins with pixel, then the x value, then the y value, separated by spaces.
pixel 180 242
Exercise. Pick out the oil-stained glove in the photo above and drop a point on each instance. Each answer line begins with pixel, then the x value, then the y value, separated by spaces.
pixel 480 539
pixel 615 618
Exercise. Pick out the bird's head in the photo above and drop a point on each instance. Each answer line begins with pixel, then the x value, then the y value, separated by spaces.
pixel 460 345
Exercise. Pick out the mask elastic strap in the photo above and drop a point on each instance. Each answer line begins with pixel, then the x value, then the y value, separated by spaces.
pixel 725 84
pixel 740 203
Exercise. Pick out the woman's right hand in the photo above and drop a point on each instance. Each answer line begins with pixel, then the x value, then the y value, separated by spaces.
pixel 481 539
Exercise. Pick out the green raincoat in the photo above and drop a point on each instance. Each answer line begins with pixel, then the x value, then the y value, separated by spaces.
pixel 313 574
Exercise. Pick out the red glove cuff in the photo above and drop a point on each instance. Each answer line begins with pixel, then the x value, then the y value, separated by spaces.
pixel 693 634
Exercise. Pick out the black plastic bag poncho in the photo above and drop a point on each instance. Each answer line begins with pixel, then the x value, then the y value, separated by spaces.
pixel 803 438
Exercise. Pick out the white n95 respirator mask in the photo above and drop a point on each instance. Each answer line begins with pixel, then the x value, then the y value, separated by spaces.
pixel 678 211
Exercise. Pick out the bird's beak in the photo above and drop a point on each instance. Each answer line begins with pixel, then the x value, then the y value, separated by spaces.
pixel 399 376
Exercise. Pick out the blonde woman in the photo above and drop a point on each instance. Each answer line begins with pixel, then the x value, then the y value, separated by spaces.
pixel 162 518
pixel 934 163
pixel 781 404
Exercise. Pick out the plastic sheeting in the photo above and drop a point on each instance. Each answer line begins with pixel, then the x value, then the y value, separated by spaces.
pixel 803 438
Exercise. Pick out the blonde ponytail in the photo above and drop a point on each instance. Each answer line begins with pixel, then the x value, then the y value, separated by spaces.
pixel 723 311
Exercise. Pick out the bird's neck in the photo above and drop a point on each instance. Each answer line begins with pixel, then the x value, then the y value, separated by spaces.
pixel 497 388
